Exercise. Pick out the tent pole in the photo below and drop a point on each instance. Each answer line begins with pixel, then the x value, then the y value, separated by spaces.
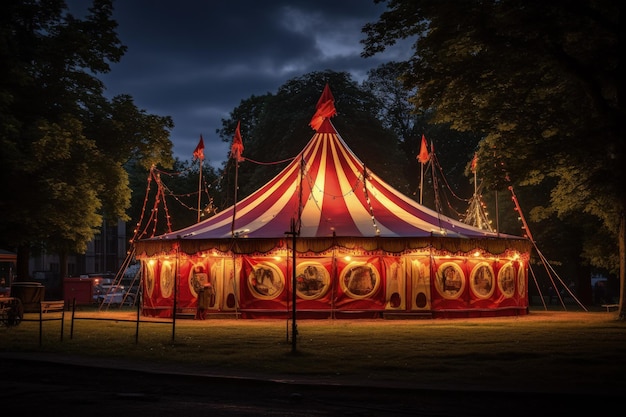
pixel 176 272
pixel 294 326
pixel 334 279
pixel 497 213
pixel 232 226
pixel 289 318
pixel 199 188
pixel 432 161
pixel 421 182
pixel 234 281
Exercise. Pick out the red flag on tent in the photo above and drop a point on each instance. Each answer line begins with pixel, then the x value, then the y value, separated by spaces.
pixel 474 162
pixel 237 147
pixel 324 109
pixel 423 156
pixel 198 153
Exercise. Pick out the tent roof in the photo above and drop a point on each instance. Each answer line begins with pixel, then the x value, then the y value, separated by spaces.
pixel 332 194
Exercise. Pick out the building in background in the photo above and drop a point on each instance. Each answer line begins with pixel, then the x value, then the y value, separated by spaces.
pixel 105 254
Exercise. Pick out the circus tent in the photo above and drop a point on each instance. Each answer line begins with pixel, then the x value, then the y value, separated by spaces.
pixel 362 249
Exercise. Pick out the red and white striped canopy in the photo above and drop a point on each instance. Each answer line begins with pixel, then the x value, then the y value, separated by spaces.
pixel 327 191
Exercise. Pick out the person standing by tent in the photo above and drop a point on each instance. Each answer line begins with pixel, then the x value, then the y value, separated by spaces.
pixel 204 296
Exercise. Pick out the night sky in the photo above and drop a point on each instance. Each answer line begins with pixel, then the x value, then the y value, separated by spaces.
pixel 195 60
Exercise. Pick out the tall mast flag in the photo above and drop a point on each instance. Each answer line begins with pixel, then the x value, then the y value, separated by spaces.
pixel 423 156
pixel 324 109
pixel 198 153
pixel 473 168
pixel 236 150
pixel 474 162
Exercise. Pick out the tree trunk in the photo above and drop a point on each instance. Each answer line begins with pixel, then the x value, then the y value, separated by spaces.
pixel 622 265
pixel 62 274
pixel 21 267
pixel 583 283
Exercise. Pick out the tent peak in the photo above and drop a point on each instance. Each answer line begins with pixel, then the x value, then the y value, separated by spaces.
pixel 324 109
pixel 326 127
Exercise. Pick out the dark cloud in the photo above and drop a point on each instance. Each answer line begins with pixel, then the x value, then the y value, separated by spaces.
pixel 196 60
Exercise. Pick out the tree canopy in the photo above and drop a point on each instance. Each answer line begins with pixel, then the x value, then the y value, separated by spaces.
pixel 541 83
pixel 64 144
pixel 454 150
pixel 269 124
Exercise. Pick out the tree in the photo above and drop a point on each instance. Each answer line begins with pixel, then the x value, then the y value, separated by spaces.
pixel 394 107
pixel 454 149
pixel 64 145
pixel 275 128
pixel 541 81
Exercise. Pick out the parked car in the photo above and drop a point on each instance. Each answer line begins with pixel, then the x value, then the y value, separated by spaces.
pixel 112 294
pixel 102 279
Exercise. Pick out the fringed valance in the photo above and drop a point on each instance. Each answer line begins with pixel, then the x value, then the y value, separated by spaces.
pixel 496 246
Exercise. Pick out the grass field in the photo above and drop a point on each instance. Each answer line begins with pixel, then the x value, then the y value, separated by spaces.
pixel 545 350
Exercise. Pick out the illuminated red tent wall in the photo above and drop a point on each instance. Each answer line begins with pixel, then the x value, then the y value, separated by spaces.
pixel 363 250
